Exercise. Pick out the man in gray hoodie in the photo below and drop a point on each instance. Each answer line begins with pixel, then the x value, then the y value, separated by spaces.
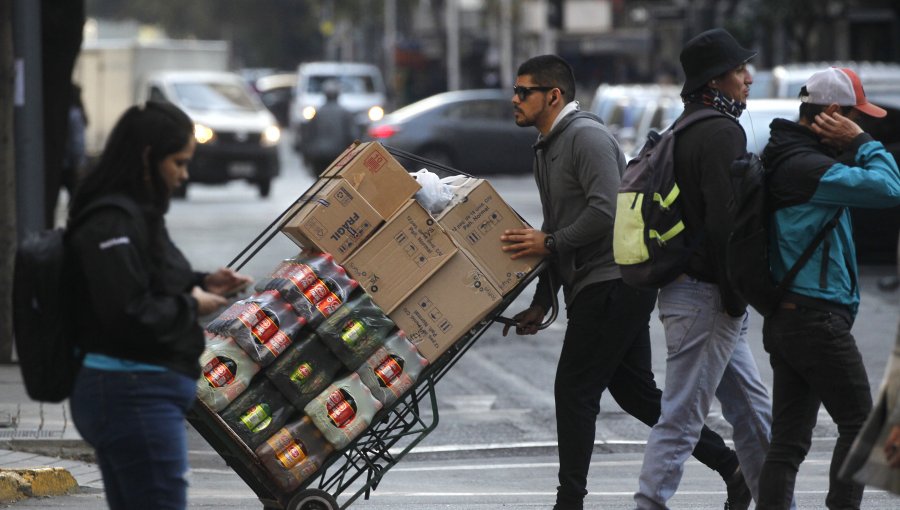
pixel 578 165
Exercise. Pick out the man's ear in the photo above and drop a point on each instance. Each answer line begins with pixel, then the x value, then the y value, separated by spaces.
pixel 831 109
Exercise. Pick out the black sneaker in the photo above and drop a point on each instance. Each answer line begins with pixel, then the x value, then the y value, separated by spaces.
pixel 739 496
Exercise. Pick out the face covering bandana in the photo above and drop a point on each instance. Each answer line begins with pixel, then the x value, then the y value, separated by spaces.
pixel 713 97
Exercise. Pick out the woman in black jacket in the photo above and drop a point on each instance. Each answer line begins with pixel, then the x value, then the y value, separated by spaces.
pixel 138 304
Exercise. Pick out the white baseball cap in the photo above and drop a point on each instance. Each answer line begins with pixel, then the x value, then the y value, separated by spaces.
pixel 839 86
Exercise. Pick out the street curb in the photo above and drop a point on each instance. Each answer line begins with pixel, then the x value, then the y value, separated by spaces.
pixel 17 484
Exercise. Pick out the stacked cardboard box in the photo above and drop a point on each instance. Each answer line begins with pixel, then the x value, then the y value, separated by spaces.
pixel 435 276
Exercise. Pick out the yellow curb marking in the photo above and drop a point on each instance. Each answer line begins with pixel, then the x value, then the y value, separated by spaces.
pixel 16 484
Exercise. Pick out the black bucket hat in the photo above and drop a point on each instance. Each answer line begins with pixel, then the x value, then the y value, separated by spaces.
pixel 710 54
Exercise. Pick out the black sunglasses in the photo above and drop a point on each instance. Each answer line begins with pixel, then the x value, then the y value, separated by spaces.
pixel 523 92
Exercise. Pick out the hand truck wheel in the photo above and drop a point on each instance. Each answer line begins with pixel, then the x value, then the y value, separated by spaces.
pixel 313 499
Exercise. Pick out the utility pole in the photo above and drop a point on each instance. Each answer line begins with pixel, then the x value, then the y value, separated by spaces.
pixel 390 44
pixel 451 13
pixel 506 45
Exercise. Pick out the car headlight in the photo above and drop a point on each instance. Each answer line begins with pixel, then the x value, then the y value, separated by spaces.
pixel 309 112
pixel 270 136
pixel 376 113
pixel 203 134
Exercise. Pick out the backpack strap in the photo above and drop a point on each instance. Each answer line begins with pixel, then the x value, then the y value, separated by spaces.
pixel 807 254
pixel 686 121
pixel 119 201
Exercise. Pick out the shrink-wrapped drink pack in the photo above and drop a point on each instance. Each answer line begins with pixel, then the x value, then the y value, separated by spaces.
pixel 304 370
pixel 294 453
pixel 392 369
pixel 258 413
pixel 313 283
pixel 226 372
pixel 343 411
pixel 355 330
pixel 264 325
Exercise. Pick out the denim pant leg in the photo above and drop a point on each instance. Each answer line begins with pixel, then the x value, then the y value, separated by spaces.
pixel 700 339
pixel 135 422
pixel 814 358
pixel 747 407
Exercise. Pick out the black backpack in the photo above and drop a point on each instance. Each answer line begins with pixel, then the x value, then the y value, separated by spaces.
pixel 649 241
pixel 747 250
pixel 42 315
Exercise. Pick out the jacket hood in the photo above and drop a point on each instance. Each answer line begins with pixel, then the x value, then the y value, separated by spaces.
pixel 789 138
pixel 561 126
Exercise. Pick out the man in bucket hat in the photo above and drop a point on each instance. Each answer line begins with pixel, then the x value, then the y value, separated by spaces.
pixel 813 355
pixel 704 319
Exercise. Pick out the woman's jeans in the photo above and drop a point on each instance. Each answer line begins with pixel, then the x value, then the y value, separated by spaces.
pixel 708 357
pixel 814 360
pixel 135 422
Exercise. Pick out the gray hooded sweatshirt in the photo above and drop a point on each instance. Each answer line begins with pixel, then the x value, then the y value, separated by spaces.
pixel 577 167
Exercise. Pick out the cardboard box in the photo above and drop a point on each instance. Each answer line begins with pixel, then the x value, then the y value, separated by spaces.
pixel 336 220
pixel 376 175
pixel 446 306
pixel 475 219
pixel 404 252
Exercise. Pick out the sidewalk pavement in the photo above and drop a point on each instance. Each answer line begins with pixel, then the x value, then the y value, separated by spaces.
pixel 41 453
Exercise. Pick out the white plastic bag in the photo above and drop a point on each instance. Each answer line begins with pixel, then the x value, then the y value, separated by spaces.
pixel 434 195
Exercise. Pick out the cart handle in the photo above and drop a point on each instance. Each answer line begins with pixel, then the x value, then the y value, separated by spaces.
pixel 554 309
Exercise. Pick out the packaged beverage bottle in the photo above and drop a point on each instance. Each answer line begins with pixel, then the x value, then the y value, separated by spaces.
pixel 392 369
pixel 294 453
pixel 343 411
pixel 304 370
pixel 258 412
pixel 226 372
pixel 313 283
pixel 263 325
pixel 355 330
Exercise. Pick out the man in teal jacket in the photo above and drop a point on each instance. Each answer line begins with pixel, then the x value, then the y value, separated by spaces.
pixel 814 357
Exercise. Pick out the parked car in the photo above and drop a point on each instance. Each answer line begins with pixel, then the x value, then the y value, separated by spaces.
pixel 362 91
pixel 633 110
pixel 470 130
pixel 275 91
pixel 877 77
pixel 237 137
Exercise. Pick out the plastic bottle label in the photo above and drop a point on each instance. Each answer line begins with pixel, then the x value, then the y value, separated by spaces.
pixel 388 371
pixel 257 417
pixel 341 408
pixel 317 292
pixel 353 331
pixel 264 330
pixel 301 275
pixel 302 372
pixel 329 305
pixel 278 343
pixel 220 371
pixel 292 455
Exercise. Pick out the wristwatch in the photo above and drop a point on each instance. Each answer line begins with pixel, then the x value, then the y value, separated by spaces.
pixel 550 243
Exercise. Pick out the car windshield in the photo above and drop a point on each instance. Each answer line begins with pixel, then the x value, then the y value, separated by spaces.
pixel 209 95
pixel 352 84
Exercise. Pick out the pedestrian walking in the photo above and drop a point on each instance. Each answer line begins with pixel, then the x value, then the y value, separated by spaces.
pixel 813 354
pixel 75 155
pixel 137 308
pixel 704 320
pixel 577 168
pixel 331 131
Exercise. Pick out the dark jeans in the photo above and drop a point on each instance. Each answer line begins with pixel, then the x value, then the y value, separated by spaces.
pixel 814 360
pixel 135 422
pixel 607 345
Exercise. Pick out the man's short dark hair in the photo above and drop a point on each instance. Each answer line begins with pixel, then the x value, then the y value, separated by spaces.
pixel 550 71
pixel 809 111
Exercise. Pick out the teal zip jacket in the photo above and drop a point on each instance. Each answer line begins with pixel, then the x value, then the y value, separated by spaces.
pixel 808 186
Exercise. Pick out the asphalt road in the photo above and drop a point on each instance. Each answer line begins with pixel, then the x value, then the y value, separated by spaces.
pixel 494 446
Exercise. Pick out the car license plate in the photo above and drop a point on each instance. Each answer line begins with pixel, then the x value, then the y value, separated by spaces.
pixel 241 169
